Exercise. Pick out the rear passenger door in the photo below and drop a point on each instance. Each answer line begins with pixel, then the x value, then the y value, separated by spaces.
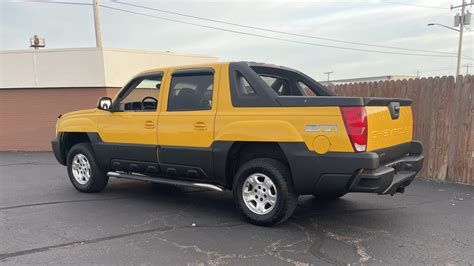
pixel 186 123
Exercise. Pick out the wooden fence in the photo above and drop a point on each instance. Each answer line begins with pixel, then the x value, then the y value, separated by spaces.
pixel 443 110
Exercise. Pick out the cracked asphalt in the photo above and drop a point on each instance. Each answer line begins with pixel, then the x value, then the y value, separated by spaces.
pixel 43 219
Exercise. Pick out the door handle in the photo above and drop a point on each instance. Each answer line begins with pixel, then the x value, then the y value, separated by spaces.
pixel 149 124
pixel 200 126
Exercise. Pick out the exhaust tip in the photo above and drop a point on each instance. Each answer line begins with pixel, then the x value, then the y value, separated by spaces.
pixel 401 189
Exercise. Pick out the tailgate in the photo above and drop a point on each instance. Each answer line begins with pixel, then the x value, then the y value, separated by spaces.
pixel 390 122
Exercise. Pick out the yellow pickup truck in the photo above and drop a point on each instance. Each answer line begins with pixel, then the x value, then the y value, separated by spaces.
pixel 266 132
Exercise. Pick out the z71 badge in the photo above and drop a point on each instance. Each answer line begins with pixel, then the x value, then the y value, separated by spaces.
pixel 320 128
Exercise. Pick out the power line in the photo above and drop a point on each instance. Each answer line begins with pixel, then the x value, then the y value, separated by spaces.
pixel 439 69
pixel 87 4
pixel 272 38
pixel 250 34
pixel 277 31
pixel 416 5
pixel 273 31
pixel 58 2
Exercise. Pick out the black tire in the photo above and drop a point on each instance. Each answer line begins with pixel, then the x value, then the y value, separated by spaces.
pixel 98 179
pixel 329 195
pixel 280 175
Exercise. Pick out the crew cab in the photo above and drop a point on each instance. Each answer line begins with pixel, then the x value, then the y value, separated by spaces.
pixel 267 133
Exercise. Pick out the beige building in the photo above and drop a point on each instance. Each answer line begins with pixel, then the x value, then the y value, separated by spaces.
pixel 36 86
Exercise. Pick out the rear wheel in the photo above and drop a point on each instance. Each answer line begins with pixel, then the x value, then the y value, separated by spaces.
pixel 83 171
pixel 263 192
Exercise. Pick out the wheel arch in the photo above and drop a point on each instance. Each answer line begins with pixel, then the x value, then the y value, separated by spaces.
pixel 69 139
pixel 231 155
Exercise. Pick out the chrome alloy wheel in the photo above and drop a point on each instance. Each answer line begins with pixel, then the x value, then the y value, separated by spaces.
pixel 259 193
pixel 81 168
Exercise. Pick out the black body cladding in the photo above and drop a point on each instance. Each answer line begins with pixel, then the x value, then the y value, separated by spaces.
pixel 333 171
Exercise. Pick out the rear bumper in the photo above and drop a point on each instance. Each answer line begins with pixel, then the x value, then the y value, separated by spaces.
pixel 390 178
pixel 385 171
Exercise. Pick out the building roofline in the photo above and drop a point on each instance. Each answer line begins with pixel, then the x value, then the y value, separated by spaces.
pixel 55 50
pixel 369 79
pixel 362 79
pixel 46 50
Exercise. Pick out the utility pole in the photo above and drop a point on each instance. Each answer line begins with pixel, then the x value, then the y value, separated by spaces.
pixel 98 31
pixel 459 21
pixel 461 30
pixel 464 19
pixel 328 73
pixel 467 68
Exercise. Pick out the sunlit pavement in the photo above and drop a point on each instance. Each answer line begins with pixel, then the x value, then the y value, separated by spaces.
pixel 43 219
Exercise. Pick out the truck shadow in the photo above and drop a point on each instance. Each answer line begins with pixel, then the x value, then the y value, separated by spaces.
pixel 364 208
pixel 335 232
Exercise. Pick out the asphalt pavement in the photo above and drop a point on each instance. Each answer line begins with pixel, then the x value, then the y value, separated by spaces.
pixel 44 220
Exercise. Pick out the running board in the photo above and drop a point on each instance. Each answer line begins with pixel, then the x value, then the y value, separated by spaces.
pixel 165 180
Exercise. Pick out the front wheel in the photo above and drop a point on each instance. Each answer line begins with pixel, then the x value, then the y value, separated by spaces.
pixel 84 173
pixel 263 192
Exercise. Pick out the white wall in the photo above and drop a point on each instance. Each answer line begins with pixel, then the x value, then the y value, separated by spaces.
pixel 85 67
pixel 121 65
pixel 52 68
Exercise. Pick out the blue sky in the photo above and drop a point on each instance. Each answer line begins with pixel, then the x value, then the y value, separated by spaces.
pixel 373 22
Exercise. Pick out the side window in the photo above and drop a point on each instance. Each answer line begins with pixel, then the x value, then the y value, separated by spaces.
pixel 305 89
pixel 142 96
pixel 191 92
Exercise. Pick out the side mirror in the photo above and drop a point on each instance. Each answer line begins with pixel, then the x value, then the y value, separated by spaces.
pixel 105 103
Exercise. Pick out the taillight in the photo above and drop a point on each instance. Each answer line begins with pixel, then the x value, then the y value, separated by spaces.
pixel 355 120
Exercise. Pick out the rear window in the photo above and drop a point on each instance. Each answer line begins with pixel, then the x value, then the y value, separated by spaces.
pixel 243 87
pixel 305 89
pixel 286 82
pixel 279 85
pixel 260 85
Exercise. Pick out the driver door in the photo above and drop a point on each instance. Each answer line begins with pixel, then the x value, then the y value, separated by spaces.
pixel 135 114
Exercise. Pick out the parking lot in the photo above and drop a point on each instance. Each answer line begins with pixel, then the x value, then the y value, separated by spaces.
pixel 43 219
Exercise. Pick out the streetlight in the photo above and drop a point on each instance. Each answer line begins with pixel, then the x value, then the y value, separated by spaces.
pixel 437 24
pixel 460 20
pixel 458 65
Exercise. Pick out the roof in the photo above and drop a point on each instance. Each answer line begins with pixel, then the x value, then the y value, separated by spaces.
pixel 183 67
